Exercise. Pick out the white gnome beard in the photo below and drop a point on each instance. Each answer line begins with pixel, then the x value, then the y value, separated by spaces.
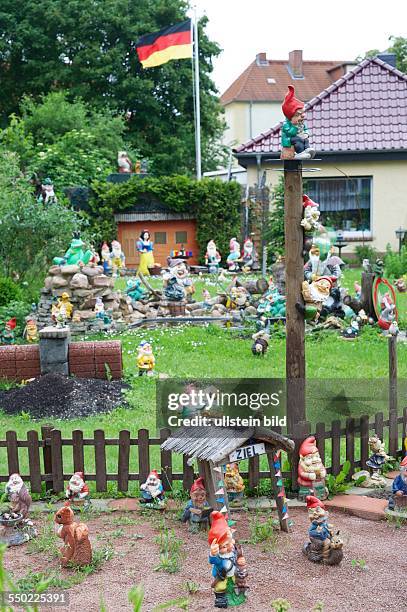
pixel 15 486
pixel 76 487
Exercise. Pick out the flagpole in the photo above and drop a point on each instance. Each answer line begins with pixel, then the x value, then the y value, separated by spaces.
pixel 197 103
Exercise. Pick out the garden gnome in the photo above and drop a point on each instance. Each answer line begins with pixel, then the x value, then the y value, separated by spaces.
pixel 324 546
pixel 234 484
pixel 145 250
pixel 135 290
pixel 124 162
pixel 310 222
pixel 197 510
pixel 99 308
pixel 65 305
pixel 152 491
pixel 47 195
pixel 145 359
pixel 229 570
pixel 238 298
pixel 31 330
pixel 234 256
pixel 77 490
pixel 7 335
pixel 105 253
pixel 294 133
pixel 311 471
pixel 177 284
pixel 315 295
pixel 212 257
pixel 322 262
pixel 261 342
pixel 271 305
pixel 117 258
pixel 398 500
pixel 248 255
pixel 77 548
pixel 19 497
pixel 387 312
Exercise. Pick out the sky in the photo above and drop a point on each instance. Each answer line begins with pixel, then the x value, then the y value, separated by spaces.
pixel 324 30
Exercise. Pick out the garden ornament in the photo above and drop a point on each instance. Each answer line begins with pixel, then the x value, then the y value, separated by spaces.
pixel 401 285
pixel 77 548
pixel 322 262
pixel 233 258
pixel 31 330
pixel 124 162
pixel 352 331
pixel 15 526
pixel 77 491
pixel 398 499
pixel 117 258
pixel 65 305
pixel 324 546
pixel 152 492
pixel 197 510
pixel 99 309
pixel 105 254
pixel 238 298
pixel 229 568
pixel 145 251
pixel 315 295
pixel 333 305
pixel 310 222
pixel 75 255
pixel 212 257
pixel 271 305
pixel 145 359
pixel 311 471
pixel 135 290
pixel 19 497
pixel 294 133
pixel 7 336
pixel 388 312
pixel 47 193
pixel 234 484
pixel 177 284
pixel 261 342
pixel 248 255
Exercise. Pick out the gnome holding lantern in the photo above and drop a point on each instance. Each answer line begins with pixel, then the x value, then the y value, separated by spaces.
pixel 212 257
pixel 152 492
pixel 324 546
pixel 294 133
pixel 197 510
pixel 229 570
pixel 77 490
pixel 311 471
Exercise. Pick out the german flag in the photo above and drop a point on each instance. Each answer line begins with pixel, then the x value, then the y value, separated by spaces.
pixel 170 43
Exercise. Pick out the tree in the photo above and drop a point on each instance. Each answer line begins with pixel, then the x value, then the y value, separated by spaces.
pixel 274 232
pixel 398 46
pixel 88 49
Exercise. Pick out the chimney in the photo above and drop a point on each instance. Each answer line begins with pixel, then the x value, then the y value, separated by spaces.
pixel 295 63
pixel 261 59
pixel 389 58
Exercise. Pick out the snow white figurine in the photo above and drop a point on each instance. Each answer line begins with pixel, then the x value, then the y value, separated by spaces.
pixel 145 249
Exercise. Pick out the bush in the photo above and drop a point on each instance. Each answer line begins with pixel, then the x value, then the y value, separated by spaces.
pixel 364 251
pixel 9 291
pixel 395 263
pixel 17 309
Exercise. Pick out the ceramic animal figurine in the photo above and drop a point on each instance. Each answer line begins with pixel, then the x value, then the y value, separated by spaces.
pixel 324 545
pixel 229 568
pixel 311 471
pixel 310 222
pixel 212 257
pixel 117 258
pixel 315 295
pixel 352 331
pixel 294 133
pixel 31 330
pixel 152 492
pixel 145 359
pixel 145 250
pixel 261 342
pixel 75 255
pixel 233 258
pixel 135 290
pixel 7 336
pixel 333 305
pixel 77 490
pixel 197 510
pixel 20 499
pixel 77 548
pixel 398 499
pixel 234 484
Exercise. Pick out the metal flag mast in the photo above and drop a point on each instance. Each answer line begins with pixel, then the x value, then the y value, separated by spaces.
pixel 197 101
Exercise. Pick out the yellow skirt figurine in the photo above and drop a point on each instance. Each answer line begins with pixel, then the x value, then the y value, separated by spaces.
pixel 145 250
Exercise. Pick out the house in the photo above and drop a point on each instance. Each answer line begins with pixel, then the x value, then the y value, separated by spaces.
pixel 252 103
pixel 358 126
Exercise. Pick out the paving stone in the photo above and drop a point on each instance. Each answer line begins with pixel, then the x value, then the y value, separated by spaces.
pixel 369 508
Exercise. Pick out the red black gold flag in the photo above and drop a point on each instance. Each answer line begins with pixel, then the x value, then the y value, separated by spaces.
pixel 170 43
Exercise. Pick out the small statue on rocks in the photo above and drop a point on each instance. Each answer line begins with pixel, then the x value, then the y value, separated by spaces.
pixel 99 309
pixel 324 545
pixel 229 568
pixel 294 133
pixel 177 284
pixel 63 306
pixel 77 548
pixel 31 330
pixel 310 222
pixel 124 163
pixel 7 336
pixel 261 342
pixel 105 255
pixel 398 499
pixel 19 497
pixel 234 484
pixel 311 471
pixel 77 490
pixel 117 258
pixel 233 258
pixel 75 255
pixel 135 290
pixel 197 510
pixel 212 257
pixel 152 492
pixel 238 298
pixel 145 359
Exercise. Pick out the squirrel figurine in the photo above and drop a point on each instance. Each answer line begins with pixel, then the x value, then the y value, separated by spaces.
pixel 77 548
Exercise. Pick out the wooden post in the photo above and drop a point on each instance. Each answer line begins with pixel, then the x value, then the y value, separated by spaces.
pixel 393 426
pixel 47 455
pixel 366 298
pixel 295 325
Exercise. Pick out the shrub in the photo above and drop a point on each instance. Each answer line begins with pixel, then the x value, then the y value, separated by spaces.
pixel 395 263
pixel 9 291
pixel 365 251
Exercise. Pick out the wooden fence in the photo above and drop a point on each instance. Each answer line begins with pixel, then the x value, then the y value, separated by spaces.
pixel 349 440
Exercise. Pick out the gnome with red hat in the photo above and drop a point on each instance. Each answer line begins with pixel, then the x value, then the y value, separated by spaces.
pixel 310 222
pixel 152 491
pixel 324 546
pixel 315 295
pixel 7 335
pixel 229 569
pixel 78 490
pixel 294 133
pixel 398 500
pixel 197 510
pixel 311 471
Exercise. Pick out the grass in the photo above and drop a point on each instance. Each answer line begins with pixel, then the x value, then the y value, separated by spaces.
pixel 171 550
pixel 264 531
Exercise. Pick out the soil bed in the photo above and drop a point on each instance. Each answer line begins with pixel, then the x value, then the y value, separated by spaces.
pixel 63 397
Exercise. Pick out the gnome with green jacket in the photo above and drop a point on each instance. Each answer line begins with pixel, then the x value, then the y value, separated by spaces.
pixel 294 133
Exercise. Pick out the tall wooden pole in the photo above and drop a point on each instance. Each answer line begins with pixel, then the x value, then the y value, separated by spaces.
pixel 295 325
pixel 393 410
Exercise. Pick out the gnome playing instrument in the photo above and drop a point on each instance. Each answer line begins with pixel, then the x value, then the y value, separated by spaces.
pixel 311 470
pixel 229 568
pixel 19 497
pixel 294 132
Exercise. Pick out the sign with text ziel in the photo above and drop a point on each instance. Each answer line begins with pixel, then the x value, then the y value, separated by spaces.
pixel 245 452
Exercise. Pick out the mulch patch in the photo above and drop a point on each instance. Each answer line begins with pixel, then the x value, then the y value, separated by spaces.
pixel 63 397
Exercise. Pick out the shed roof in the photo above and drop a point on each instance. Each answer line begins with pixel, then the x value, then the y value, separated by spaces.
pixel 217 447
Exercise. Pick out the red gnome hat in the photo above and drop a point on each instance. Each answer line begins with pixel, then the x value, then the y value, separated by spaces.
pixel 80 474
pixel 11 324
pixel 403 464
pixel 153 473
pixel 219 528
pixel 198 485
pixel 331 280
pixel 291 104
pixel 308 447
pixel 314 502
pixel 306 201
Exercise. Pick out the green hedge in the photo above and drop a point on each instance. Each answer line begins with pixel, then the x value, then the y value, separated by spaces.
pixel 216 205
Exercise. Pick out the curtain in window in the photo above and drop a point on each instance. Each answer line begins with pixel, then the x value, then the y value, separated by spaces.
pixel 335 195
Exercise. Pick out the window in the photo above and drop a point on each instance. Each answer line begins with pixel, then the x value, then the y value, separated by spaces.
pixel 181 237
pixel 160 237
pixel 345 203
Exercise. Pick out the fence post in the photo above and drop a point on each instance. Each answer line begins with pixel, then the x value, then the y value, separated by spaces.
pixel 393 425
pixel 166 461
pixel 47 455
pixel 12 452
pixel 34 461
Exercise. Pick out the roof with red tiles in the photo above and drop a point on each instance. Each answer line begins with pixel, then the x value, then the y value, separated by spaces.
pixel 254 85
pixel 365 110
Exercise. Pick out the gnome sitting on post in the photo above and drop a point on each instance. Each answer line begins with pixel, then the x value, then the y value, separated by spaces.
pixel 294 133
